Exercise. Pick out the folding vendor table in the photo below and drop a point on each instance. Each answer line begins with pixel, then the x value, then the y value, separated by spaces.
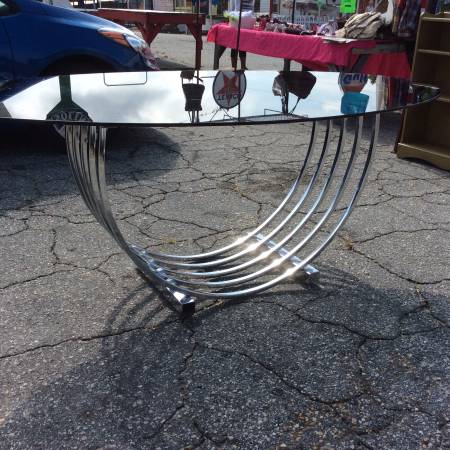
pixel 288 240
pixel 315 52
pixel 151 22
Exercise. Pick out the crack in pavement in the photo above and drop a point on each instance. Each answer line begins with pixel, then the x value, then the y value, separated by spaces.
pixel 233 176
pixel 286 382
pixel 392 272
pixel 37 277
pixel 81 339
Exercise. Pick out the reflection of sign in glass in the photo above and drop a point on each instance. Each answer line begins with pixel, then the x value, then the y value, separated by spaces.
pixel 4 111
pixel 297 83
pixel 193 92
pixel 348 6
pixel 354 103
pixel 352 82
pixel 229 88
pixel 67 110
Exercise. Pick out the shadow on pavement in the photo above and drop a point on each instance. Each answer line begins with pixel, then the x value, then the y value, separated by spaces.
pixel 252 374
pixel 34 165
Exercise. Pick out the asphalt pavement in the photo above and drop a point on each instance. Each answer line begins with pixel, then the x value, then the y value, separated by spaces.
pixel 91 358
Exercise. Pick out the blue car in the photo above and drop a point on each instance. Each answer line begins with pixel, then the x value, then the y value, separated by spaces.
pixel 42 40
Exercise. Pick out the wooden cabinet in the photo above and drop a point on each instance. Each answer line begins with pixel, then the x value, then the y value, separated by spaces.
pixel 426 129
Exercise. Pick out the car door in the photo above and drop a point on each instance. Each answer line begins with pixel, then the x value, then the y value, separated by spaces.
pixel 6 57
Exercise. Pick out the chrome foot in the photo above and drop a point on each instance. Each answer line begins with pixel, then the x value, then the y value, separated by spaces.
pixel 307 273
pixel 182 303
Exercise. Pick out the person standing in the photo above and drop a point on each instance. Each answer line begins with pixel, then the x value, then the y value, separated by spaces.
pixel 247 5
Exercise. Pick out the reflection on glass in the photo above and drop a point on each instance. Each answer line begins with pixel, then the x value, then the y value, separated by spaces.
pixel 193 93
pixel 4 110
pixel 299 84
pixel 67 109
pixel 351 84
pixel 125 78
pixel 354 103
pixel 229 88
pixel 207 96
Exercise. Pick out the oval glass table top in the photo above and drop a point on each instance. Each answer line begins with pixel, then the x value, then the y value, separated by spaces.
pixel 187 97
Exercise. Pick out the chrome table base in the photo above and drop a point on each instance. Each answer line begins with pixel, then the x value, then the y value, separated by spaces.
pixel 258 260
pixel 307 272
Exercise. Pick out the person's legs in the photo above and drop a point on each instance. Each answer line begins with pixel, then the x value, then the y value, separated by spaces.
pixel 218 52
pixel 243 58
pixel 234 56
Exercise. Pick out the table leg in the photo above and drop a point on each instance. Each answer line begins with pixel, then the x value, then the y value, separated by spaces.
pixel 286 65
pixel 149 31
pixel 359 64
pixel 196 30
pixel 218 52
pixel 86 151
pixel 303 223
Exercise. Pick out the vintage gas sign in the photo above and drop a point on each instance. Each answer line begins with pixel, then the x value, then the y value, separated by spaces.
pixel 229 88
pixel 352 82
pixel 353 102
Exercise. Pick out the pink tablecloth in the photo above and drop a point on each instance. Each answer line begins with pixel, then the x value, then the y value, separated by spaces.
pixel 312 51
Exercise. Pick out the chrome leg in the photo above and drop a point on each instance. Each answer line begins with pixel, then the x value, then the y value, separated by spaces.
pixel 86 152
pixel 258 260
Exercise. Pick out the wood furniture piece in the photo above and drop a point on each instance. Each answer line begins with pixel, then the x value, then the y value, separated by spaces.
pixel 426 130
pixel 151 22
pixel 316 52
pixel 290 237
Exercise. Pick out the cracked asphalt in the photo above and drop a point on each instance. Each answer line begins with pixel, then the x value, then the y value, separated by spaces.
pixel 91 358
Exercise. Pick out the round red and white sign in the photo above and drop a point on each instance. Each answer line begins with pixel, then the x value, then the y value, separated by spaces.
pixel 229 88
pixel 352 82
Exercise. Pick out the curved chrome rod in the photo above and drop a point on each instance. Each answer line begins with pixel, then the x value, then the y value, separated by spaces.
pixel 330 237
pixel 86 156
pixel 253 247
pixel 266 254
pixel 267 221
pixel 87 160
pixel 86 149
pixel 276 263
pixel 314 253
pixel 74 149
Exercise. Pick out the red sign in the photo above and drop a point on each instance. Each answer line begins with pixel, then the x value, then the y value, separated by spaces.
pixel 229 88
pixel 352 82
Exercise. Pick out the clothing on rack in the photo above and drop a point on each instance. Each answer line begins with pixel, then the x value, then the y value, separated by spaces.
pixel 361 26
pixel 407 26
pixel 406 18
